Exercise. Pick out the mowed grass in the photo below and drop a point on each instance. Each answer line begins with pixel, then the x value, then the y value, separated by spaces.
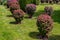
pixel 27 30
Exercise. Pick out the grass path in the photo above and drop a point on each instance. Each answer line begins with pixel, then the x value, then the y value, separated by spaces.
pixel 28 29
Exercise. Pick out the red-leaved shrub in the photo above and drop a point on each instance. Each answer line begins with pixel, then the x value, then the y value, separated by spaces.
pixel 9 2
pixel 30 9
pixel 14 7
pixel 48 10
pixel 44 24
pixel 18 15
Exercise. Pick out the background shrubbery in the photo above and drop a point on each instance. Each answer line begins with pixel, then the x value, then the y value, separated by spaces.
pixel 3 2
pixel 24 2
pixel 30 9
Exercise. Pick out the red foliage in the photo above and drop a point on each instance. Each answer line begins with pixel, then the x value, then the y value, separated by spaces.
pixel 18 13
pixel 45 24
pixel 30 9
pixel 14 6
pixel 9 2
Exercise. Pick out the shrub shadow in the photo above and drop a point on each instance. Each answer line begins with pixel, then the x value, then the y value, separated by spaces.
pixel 54 37
pixel 30 18
pixel 13 22
pixel 9 15
pixel 34 35
pixel 38 13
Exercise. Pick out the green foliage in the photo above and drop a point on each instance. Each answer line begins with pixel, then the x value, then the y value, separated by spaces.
pixel 3 2
pixel 24 2
pixel 37 2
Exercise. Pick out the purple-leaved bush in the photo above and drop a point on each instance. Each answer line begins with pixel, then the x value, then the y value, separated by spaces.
pixel 48 10
pixel 30 9
pixel 14 7
pixel 18 15
pixel 9 2
pixel 44 24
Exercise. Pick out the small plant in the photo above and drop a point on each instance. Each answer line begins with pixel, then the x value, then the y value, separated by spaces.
pixel 14 7
pixel 30 9
pixel 48 10
pixel 44 24
pixel 18 15
pixel 9 2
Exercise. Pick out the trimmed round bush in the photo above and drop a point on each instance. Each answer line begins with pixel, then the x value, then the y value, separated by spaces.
pixel 48 10
pixel 30 9
pixel 44 24
pixel 14 7
pixel 24 2
pixel 18 15
pixel 9 2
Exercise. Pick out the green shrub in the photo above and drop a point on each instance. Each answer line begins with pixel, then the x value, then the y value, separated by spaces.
pixel 24 2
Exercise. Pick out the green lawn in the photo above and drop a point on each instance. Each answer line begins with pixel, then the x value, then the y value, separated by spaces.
pixel 28 29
